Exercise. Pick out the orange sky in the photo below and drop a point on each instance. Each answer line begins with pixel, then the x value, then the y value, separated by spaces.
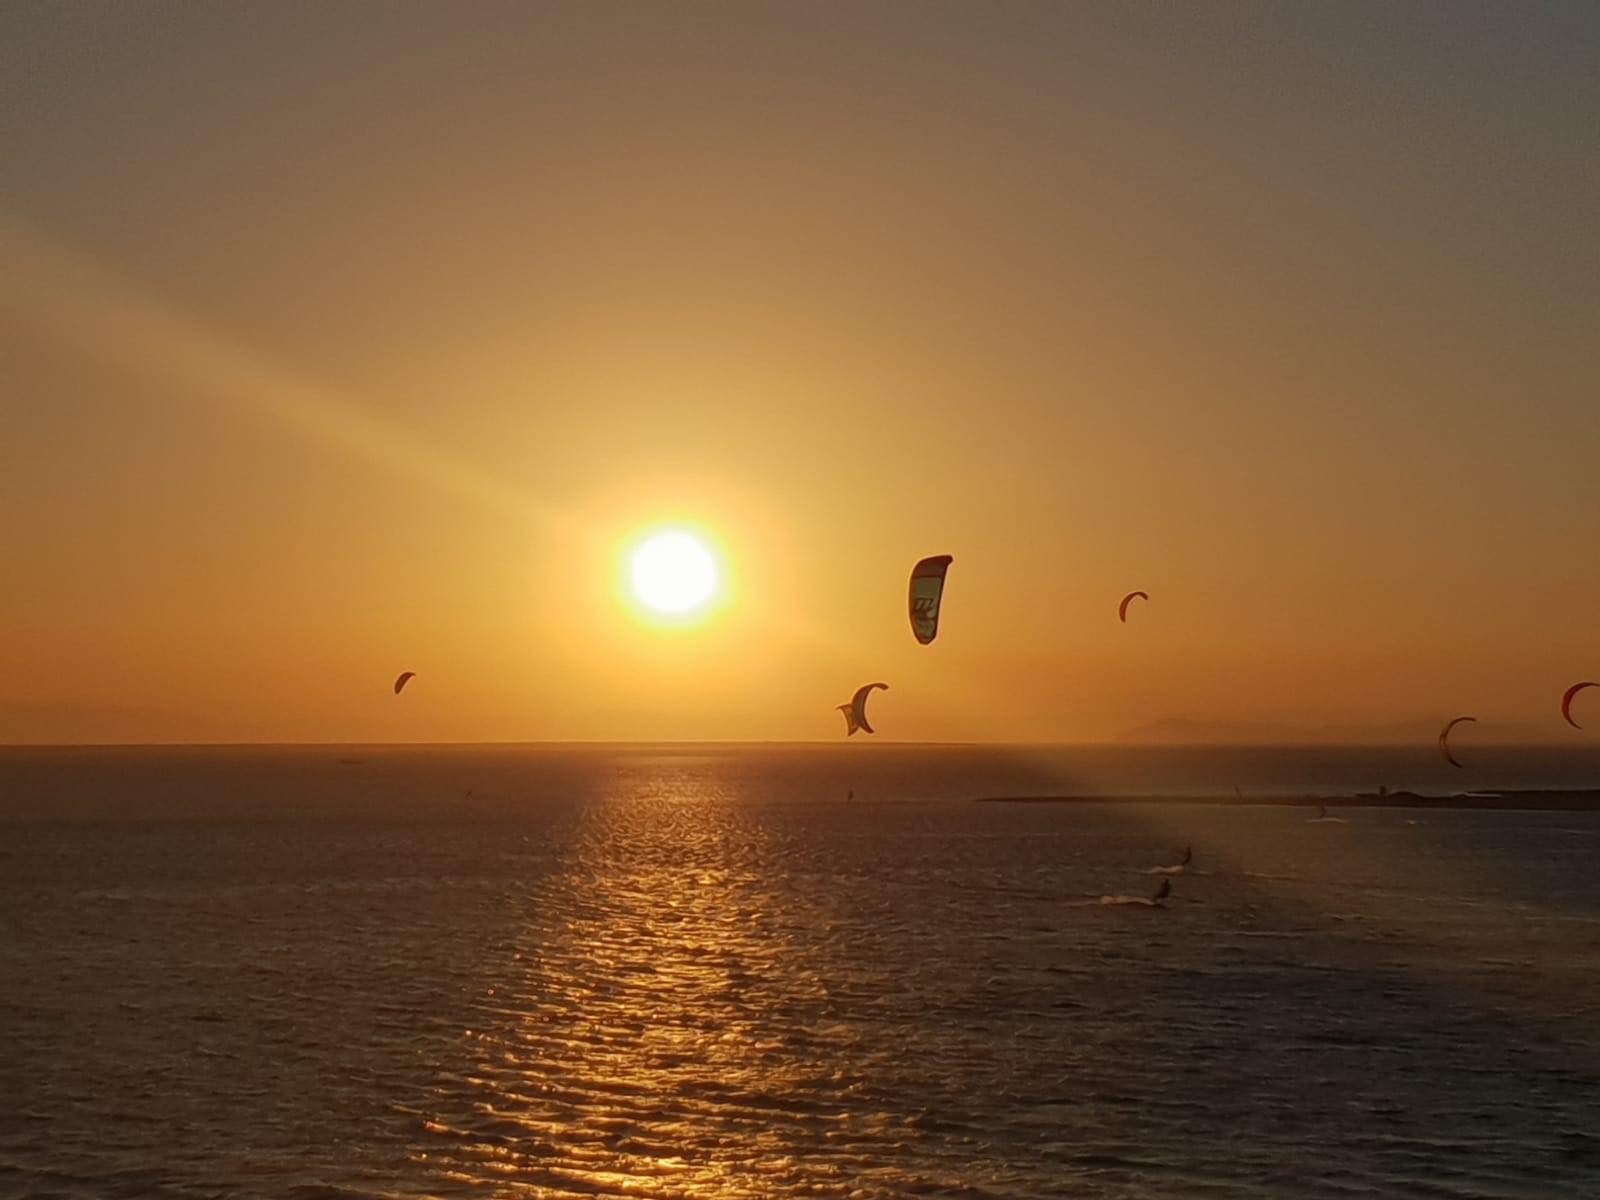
pixel 341 341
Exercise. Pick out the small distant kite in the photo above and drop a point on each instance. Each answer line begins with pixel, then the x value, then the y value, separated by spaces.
pixel 1444 738
pixel 927 589
pixel 402 679
pixel 855 713
pixel 1122 609
pixel 1566 701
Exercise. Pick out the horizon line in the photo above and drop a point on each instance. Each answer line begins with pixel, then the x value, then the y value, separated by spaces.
pixel 1114 742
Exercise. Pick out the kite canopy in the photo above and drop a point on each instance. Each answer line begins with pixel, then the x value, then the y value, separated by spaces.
pixel 402 679
pixel 927 589
pixel 1444 738
pixel 855 713
pixel 1566 701
pixel 1122 609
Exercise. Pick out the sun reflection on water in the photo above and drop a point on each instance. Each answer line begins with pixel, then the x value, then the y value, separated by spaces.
pixel 648 1037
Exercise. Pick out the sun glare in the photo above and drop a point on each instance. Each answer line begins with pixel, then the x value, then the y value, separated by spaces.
pixel 673 573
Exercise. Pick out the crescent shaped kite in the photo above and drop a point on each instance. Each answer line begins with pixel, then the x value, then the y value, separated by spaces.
pixel 1444 738
pixel 855 713
pixel 402 679
pixel 1122 609
pixel 927 590
pixel 1566 701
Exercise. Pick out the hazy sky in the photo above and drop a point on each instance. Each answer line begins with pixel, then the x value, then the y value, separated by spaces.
pixel 341 339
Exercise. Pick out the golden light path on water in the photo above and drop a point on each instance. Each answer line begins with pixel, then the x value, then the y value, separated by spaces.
pixel 664 1033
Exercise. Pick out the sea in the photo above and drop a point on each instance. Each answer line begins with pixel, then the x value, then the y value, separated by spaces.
pixel 332 973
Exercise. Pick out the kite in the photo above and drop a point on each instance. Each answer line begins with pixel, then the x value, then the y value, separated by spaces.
pixel 1566 701
pixel 855 713
pixel 927 589
pixel 1444 738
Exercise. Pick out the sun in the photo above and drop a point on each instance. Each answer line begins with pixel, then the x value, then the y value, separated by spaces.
pixel 673 573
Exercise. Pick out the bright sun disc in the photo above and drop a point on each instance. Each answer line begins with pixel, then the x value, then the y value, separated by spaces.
pixel 672 573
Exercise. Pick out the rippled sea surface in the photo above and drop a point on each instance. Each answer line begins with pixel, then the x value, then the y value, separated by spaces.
pixel 771 973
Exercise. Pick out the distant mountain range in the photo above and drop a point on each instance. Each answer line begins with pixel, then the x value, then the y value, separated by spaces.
pixel 1181 731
